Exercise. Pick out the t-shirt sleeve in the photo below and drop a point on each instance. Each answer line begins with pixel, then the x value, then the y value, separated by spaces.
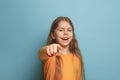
pixel 79 74
pixel 43 54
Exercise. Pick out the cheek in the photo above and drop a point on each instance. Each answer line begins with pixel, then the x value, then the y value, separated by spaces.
pixel 71 34
pixel 71 38
pixel 58 35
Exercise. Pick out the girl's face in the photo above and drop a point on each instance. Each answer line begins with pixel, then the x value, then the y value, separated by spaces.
pixel 63 34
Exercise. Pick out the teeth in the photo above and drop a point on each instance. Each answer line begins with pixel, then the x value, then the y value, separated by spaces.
pixel 65 38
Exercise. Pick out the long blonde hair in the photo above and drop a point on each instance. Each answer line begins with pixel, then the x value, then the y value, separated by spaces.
pixel 73 46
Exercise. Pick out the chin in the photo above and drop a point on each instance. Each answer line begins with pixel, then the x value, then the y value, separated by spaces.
pixel 64 45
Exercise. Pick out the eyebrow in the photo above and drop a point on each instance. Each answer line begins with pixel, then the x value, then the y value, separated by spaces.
pixel 64 28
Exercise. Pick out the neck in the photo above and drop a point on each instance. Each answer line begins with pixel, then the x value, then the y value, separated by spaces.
pixel 65 50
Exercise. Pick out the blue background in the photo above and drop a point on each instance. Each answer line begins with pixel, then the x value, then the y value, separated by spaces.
pixel 24 27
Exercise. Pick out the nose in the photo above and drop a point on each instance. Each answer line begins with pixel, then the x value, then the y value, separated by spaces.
pixel 65 32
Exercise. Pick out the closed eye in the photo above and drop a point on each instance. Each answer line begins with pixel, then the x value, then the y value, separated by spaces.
pixel 60 30
pixel 70 30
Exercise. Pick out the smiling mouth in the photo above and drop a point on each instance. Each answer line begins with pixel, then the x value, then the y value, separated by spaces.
pixel 65 38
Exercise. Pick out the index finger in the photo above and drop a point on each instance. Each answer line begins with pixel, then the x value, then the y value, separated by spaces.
pixel 59 47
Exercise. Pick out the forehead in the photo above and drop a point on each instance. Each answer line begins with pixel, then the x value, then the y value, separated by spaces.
pixel 64 24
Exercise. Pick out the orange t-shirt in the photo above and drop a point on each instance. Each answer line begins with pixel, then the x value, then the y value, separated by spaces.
pixel 70 66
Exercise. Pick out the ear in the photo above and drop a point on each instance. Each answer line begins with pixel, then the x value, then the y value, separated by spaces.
pixel 53 36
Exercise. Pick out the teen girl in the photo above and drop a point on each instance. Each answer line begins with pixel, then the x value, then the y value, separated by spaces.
pixel 61 56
